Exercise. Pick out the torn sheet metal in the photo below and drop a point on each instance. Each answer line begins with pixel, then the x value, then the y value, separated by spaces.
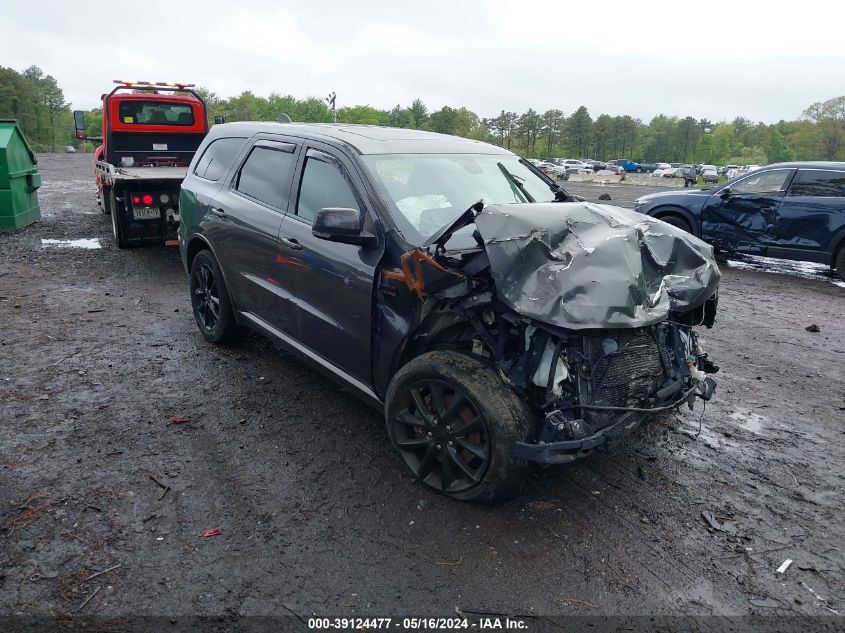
pixel 580 265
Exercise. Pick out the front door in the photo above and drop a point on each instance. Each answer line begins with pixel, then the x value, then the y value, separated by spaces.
pixel 330 284
pixel 745 220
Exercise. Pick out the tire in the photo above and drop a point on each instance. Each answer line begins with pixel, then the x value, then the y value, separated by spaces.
pixel 117 230
pixel 105 202
pixel 840 263
pixel 678 222
pixel 210 300
pixel 639 170
pixel 462 449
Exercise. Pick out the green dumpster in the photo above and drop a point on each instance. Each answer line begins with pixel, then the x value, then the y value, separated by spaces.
pixel 19 178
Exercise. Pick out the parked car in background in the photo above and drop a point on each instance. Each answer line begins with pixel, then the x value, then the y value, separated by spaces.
pixel 663 169
pixel 746 169
pixel 647 167
pixel 709 173
pixel 553 170
pixel 730 171
pixel 406 265
pixel 787 210
pixel 576 166
pixel 598 165
pixel 628 165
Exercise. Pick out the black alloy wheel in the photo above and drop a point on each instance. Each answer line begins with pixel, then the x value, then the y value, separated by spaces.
pixel 442 436
pixel 210 300
pixel 206 298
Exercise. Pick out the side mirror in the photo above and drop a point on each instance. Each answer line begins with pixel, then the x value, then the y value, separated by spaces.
pixel 341 225
pixel 219 119
pixel 79 124
pixel 725 193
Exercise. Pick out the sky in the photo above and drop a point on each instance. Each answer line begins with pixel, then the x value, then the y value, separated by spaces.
pixel 709 59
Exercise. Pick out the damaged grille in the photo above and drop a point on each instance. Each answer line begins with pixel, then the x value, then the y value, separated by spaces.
pixel 627 367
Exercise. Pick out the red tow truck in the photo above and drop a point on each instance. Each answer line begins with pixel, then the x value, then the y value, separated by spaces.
pixel 151 131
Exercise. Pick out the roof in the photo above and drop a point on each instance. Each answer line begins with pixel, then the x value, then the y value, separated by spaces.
pixel 367 139
pixel 809 164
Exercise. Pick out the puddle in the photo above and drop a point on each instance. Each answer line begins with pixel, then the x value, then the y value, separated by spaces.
pixel 87 243
pixel 752 422
pixel 805 270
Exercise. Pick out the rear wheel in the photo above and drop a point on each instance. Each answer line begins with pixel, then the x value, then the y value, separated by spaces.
pixel 678 222
pixel 210 300
pixel 117 229
pixel 454 421
pixel 840 263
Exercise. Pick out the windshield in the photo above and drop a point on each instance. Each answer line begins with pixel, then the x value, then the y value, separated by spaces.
pixel 429 191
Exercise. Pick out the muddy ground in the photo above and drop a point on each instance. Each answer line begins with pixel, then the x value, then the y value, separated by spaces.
pixel 318 516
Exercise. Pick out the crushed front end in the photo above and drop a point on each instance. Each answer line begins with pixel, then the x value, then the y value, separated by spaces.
pixel 587 311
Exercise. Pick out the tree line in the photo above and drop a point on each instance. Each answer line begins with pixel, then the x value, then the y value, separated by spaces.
pixel 38 103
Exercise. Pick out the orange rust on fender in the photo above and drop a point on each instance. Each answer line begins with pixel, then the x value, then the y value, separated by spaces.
pixel 412 269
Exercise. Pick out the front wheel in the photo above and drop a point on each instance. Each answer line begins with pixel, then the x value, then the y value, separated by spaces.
pixel 210 300
pixel 675 221
pixel 454 421
pixel 840 263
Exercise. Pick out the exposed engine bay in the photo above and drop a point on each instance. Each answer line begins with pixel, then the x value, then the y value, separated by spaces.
pixel 586 310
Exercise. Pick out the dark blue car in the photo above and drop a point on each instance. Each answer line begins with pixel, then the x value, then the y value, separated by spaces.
pixel 787 210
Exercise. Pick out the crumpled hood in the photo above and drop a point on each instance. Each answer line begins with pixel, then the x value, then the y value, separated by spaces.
pixel 580 265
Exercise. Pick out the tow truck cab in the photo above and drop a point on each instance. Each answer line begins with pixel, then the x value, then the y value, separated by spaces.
pixel 151 131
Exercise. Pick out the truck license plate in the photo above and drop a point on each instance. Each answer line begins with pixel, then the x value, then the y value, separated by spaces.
pixel 146 213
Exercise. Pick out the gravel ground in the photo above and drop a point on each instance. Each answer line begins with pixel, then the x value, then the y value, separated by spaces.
pixel 318 516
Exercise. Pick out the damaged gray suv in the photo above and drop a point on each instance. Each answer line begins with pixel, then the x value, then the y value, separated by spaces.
pixel 495 319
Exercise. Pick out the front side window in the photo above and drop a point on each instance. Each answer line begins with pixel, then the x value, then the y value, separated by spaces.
pixel 266 174
pixel 772 181
pixel 218 157
pixel 156 113
pixel 323 186
pixel 818 183
pixel 427 192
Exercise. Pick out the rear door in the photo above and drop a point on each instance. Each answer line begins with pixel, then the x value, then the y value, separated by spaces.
pixel 813 210
pixel 248 214
pixel 330 285
pixel 745 221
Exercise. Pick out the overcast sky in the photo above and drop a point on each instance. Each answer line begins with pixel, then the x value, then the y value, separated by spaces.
pixel 706 58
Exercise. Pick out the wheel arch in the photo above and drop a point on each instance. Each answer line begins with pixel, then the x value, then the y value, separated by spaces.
pixel 679 212
pixel 198 243
pixel 836 246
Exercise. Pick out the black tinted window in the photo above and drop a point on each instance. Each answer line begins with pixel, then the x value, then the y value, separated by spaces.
pixel 217 158
pixel 323 185
pixel 823 184
pixel 266 175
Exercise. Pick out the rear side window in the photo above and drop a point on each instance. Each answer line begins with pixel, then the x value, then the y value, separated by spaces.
pixel 217 158
pixel 323 185
pixel 818 183
pixel 267 173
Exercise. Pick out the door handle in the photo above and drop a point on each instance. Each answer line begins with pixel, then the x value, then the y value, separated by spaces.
pixel 291 243
pixel 218 212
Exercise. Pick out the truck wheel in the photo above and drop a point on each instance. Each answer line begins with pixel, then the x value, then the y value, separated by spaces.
pixel 117 230
pixel 105 202
pixel 454 420
pixel 840 263
pixel 210 300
